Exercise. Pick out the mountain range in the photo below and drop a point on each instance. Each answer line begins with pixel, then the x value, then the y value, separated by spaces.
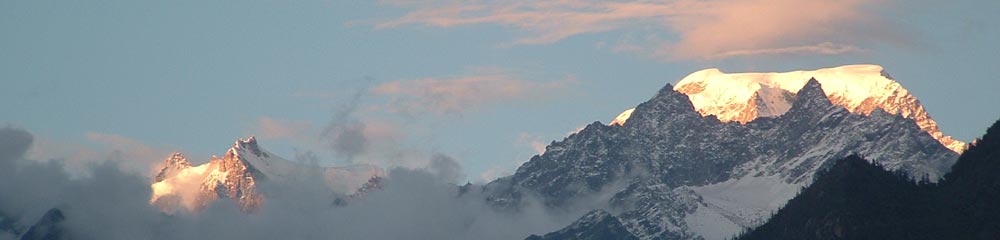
pixel 706 159
pixel 824 154
pixel 686 165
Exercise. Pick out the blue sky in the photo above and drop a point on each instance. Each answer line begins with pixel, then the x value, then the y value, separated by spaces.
pixel 485 83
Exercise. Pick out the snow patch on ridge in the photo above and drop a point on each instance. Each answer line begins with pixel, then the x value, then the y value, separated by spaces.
pixel 710 224
pixel 185 185
pixel 731 206
pixel 621 118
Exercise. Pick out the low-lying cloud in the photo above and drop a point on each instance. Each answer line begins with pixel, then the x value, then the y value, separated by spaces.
pixel 108 203
pixel 131 154
pixel 344 134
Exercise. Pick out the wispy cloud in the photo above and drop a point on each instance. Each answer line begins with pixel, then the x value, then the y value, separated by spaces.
pixel 493 173
pixel 131 154
pixel 825 48
pixel 273 128
pixel 697 29
pixel 352 138
pixel 374 125
pixel 533 141
pixel 457 94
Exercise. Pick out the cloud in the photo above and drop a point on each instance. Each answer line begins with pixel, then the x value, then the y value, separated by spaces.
pixel 372 124
pixel 351 138
pixel 534 141
pixel 272 128
pixel 356 133
pixel 458 94
pixel 344 133
pixel 523 141
pixel 825 48
pixel 493 173
pixel 133 155
pixel 445 167
pixel 106 203
pixel 697 29
pixel 351 134
pixel 14 144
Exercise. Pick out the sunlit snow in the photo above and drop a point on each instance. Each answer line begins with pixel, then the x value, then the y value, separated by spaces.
pixel 743 97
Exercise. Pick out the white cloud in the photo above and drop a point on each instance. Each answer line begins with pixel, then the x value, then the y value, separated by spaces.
pixel 273 128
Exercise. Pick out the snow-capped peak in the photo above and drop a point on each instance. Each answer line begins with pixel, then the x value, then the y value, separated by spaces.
pixel 247 141
pixel 743 97
pixel 247 144
pixel 250 142
pixel 235 176
pixel 174 164
pixel 177 159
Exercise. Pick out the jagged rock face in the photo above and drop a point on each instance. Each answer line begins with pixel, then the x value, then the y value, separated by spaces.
pixel 238 174
pixel 373 184
pixel 230 177
pixel 49 227
pixel 174 164
pixel 238 180
pixel 684 174
pixel 595 225
pixel 9 226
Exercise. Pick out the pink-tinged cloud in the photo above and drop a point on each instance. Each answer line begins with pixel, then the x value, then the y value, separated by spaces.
pixel 533 141
pixel 455 95
pixel 76 157
pixel 272 128
pixel 134 154
pixel 827 48
pixel 131 154
pixel 702 29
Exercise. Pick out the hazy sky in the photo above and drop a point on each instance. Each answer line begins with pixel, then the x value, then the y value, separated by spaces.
pixel 394 82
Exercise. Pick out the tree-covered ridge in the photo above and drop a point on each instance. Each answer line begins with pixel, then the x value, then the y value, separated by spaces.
pixel 856 199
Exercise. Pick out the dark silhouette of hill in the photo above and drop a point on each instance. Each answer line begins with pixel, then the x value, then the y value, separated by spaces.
pixel 857 199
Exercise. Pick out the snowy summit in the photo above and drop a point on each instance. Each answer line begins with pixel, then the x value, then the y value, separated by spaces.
pixel 743 97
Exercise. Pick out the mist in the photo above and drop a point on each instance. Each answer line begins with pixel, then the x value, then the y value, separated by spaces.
pixel 413 203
